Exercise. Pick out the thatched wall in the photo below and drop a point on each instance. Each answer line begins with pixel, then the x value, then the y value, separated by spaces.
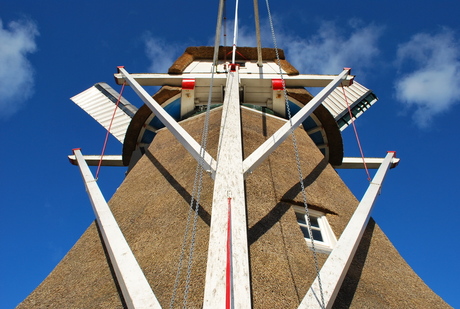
pixel 151 208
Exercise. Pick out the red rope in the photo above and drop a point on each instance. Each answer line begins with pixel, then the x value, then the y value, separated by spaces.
pixel 108 131
pixel 356 134
pixel 242 56
pixel 228 271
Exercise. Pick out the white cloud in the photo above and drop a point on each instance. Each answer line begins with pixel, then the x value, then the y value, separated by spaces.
pixel 160 53
pixel 433 86
pixel 327 51
pixel 17 40
pixel 330 49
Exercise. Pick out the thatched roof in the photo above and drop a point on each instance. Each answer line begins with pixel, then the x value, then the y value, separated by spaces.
pixel 151 208
pixel 243 53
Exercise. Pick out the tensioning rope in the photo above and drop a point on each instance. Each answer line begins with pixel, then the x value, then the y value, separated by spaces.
pixel 297 158
pixel 197 183
pixel 108 130
pixel 356 133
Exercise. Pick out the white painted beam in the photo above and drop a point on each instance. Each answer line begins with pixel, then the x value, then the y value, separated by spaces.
pixel 93 160
pixel 228 184
pixel 136 290
pixel 357 163
pixel 336 266
pixel 187 104
pixel 181 135
pixel 204 79
pixel 264 150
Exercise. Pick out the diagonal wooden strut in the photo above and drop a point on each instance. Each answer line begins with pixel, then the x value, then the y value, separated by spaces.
pixel 179 133
pixel 336 266
pixel 264 150
pixel 134 286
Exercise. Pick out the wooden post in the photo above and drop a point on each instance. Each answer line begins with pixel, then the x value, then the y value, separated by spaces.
pixel 134 286
pixel 229 184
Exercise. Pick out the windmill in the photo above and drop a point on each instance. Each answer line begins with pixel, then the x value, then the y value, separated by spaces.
pixel 256 224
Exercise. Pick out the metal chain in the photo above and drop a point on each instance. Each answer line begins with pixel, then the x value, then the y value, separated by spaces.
pixel 199 171
pixel 297 158
pixel 197 189
pixel 184 242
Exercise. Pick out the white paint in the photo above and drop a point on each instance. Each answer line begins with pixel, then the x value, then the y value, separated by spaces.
pixel 357 162
pixel 229 183
pixel 179 133
pixel 134 286
pixel 187 101
pixel 101 108
pixel 93 160
pixel 249 78
pixel 264 150
pixel 336 266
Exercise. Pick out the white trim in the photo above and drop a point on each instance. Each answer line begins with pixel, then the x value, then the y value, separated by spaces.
pixel 329 239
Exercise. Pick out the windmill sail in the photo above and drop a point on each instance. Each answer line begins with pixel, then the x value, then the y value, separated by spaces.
pixel 356 96
pixel 100 101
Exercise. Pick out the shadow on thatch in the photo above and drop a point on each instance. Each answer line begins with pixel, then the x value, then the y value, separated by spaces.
pixel 109 263
pixel 204 215
pixel 350 283
pixel 286 201
pixel 267 222
pixel 314 174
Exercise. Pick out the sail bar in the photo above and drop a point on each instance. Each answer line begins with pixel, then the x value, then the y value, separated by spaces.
pixel 336 266
pixel 93 160
pixel 228 185
pixel 181 135
pixel 204 79
pixel 264 150
pixel 136 290
pixel 357 162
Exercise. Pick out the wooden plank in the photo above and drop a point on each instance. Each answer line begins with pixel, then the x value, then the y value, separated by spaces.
pixel 336 266
pixel 134 286
pixel 228 184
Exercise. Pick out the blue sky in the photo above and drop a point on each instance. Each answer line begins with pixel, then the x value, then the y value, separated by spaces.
pixel 407 52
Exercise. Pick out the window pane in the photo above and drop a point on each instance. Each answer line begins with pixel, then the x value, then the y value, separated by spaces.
pixel 314 221
pixel 300 218
pixel 317 235
pixel 305 232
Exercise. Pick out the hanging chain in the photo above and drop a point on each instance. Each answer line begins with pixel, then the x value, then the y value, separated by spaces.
pixel 297 158
pixel 199 171
pixel 197 186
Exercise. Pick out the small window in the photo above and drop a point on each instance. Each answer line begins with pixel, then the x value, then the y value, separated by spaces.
pixel 323 237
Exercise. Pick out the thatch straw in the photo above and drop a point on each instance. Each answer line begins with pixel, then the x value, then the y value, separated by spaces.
pixel 151 208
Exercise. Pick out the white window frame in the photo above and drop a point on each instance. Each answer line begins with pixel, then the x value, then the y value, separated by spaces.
pixel 329 239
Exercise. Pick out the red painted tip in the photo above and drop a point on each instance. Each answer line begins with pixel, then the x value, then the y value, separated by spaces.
pixel 188 84
pixel 233 67
pixel 74 149
pixel 277 84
